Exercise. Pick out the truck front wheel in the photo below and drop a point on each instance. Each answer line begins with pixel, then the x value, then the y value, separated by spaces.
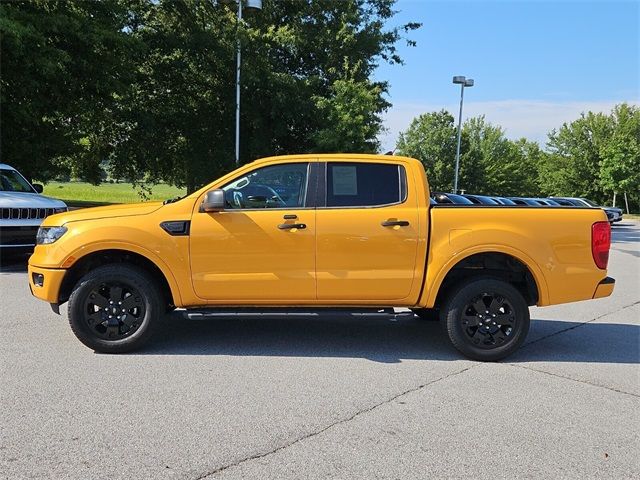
pixel 115 308
pixel 486 319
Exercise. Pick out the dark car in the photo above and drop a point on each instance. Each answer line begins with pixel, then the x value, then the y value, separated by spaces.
pixel 450 199
pixel 504 201
pixel 614 214
pixel 525 201
pixel 547 201
pixel 481 199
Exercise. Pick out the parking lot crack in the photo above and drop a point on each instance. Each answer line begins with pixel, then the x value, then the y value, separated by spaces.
pixel 334 424
pixel 574 379
pixel 577 325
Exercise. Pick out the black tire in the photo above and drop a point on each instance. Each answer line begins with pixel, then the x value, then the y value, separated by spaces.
pixel 115 308
pixel 427 314
pixel 486 319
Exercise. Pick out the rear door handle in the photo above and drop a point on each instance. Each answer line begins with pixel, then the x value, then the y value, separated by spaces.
pixel 289 226
pixel 393 223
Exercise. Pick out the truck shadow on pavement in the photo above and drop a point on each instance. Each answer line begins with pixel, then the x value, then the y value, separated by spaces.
pixel 384 338
pixel 625 233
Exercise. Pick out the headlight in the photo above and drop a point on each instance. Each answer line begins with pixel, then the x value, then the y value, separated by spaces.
pixel 47 235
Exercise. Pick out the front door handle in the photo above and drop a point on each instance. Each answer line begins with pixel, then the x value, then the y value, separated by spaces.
pixel 289 226
pixel 393 223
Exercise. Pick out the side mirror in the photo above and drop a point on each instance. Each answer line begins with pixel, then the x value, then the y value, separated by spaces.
pixel 213 201
pixel 38 188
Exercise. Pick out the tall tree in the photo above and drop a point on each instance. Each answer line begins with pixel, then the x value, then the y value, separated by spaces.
pixel 305 84
pixel 573 166
pixel 620 154
pixel 431 138
pixel 63 62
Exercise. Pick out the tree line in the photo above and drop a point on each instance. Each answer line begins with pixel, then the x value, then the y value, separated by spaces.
pixel 146 88
pixel 594 156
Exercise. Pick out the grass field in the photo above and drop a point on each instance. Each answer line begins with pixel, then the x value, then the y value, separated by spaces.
pixel 81 193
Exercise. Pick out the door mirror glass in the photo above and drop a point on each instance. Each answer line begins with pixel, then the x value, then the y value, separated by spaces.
pixel 213 201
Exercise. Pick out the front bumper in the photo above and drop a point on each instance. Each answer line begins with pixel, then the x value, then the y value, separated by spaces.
pixel 45 283
pixel 605 288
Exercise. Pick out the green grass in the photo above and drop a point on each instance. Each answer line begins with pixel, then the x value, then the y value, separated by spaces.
pixel 85 194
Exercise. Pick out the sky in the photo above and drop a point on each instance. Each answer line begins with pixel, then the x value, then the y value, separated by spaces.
pixel 535 64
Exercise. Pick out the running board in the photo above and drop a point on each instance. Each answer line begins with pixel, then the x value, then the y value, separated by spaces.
pixel 204 313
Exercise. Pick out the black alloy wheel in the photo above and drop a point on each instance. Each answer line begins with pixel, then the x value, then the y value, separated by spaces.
pixel 486 318
pixel 115 308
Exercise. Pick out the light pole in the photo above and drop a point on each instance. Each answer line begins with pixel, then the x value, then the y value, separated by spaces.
pixel 464 82
pixel 251 5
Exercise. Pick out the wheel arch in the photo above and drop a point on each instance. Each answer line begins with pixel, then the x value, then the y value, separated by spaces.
pixel 106 256
pixel 507 264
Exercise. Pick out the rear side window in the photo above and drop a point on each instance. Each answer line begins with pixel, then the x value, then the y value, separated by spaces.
pixel 364 184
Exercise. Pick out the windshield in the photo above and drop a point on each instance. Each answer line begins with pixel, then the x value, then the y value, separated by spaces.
pixel 12 181
pixel 589 202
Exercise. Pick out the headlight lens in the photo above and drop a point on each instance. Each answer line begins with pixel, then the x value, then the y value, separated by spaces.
pixel 47 235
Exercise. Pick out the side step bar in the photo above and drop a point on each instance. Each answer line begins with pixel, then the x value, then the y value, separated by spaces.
pixel 205 313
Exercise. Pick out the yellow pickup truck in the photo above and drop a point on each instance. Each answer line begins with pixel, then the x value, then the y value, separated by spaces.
pixel 339 230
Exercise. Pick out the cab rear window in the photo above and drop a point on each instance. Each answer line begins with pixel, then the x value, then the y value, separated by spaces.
pixel 364 184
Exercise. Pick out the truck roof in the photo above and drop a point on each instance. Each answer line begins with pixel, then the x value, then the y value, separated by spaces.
pixel 337 156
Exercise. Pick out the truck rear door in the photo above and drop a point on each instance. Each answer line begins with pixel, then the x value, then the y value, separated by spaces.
pixel 367 232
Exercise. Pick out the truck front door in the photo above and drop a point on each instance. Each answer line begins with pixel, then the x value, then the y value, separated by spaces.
pixel 262 246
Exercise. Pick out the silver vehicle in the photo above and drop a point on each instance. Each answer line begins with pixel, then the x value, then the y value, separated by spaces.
pixel 22 209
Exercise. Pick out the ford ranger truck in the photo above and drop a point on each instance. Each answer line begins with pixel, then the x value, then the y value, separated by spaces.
pixel 339 231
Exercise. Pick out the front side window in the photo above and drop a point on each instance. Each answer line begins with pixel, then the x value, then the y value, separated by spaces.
pixel 276 186
pixel 364 184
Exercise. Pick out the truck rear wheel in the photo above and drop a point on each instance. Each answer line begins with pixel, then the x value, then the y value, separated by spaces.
pixel 486 319
pixel 115 308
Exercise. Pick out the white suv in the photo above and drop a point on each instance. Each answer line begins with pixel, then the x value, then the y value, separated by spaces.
pixel 22 210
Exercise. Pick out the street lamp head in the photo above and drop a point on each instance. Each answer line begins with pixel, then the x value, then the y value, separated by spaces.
pixel 249 4
pixel 468 82
pixel 254 4
pixel 459 79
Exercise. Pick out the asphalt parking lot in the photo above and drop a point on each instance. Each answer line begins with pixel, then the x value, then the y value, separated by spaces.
pixel 324 396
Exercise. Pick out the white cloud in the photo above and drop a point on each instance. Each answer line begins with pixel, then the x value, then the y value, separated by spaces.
pixel 531 119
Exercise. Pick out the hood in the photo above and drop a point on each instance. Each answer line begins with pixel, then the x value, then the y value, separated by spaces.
pixel 28 200
pixel 96 213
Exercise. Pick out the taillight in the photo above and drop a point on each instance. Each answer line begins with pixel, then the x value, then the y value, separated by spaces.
pixel 600 243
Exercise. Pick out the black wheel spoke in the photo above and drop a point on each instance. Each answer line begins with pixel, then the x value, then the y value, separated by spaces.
pixel 495 305
pixel 470 320
pixel 479 336
pixel 96 298
pixel 499 337
pixel 130 302
pixel 128 320
pixel 115 292
pixel 505 319
pixel 479 305
pixel 94 319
